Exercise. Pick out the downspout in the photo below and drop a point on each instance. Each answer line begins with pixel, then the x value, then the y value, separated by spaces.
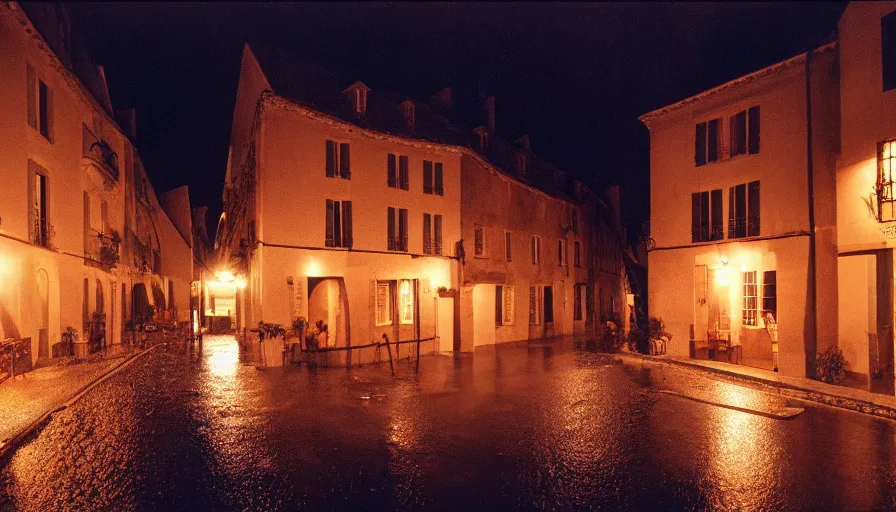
pixel 812 344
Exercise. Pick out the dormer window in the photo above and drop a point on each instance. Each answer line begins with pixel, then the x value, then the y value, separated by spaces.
pixel 521 165
pixel 357 96
pixel 407 111
pixel 482 133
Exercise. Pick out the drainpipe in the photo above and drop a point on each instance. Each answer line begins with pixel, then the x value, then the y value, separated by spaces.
pixel 812 296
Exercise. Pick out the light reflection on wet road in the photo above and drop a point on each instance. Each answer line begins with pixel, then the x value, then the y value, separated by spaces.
pixel 543 426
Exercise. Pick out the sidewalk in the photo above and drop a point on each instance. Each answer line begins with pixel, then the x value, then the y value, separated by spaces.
pixel 795 387
pixel 28 398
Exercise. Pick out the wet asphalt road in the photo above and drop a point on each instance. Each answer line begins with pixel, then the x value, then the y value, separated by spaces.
pixel 542 426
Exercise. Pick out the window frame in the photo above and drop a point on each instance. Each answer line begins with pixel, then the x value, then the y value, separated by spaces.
pixel 750 294
pixel 480 245
pixel 577 254
pixel 337 157
pixel 406 299
pixel 885 188
pixel 501 307
pixel 389 285
pixel 508 246
pixel 770 293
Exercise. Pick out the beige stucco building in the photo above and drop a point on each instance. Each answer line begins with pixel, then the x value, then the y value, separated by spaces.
pixel 809 137
pixel 366 211
pixel 81 229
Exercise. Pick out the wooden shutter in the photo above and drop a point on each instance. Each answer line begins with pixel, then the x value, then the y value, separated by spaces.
pixel 427 177
pixel 712 143
pixel 86 218
pixel 731 220
pixel 888 50
pixel 403 172
pixel 533 297
pixel 740 210
pixel 391 229
pixel 754 130
pixel 439 190
pixel 739 133
pixel 43 103
pixel 700 144
pixel 695 217
pixel 478 241
pixel 347 239
pixel 31 84
pixel 437 234
pixel 345 168
pixel 499 305
pixel 330 217
pixel 753 209
pixel 509 306
pixel 507 247
pixel 716 230
pixel 704 216
pixel 560 252
pixel 391 177
pixel 331 159
pixel 403 228
pixel 337 224
pixel 427 233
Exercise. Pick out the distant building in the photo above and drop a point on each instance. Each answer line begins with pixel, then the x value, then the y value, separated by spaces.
pixel 84 241
pixel 764 189
pixel 375 214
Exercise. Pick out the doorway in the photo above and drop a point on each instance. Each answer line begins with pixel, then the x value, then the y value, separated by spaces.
pixel 548 311
pixel 328 304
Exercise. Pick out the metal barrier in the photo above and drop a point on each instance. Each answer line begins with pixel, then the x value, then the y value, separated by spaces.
pixel 15 357
pixel 309 355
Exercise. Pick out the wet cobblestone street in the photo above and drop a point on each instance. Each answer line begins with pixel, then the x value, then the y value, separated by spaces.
pixel 538 426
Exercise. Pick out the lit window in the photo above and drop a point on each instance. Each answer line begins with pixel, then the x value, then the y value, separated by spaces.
pixel 384 302
pixel 406 301
pixel 750 298
pixel 886 202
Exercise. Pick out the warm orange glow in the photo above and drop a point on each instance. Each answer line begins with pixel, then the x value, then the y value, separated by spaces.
pixel 224 276
pixel 240 283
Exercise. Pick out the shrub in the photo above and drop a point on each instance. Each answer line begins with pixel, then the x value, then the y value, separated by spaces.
pixel 830 365
pixel 640 338
pixel 610 340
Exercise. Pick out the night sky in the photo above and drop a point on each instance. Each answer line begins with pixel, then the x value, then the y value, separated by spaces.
pixel 575 77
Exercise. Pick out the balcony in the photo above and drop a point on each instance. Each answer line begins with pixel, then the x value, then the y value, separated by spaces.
pixel 100 153
pixel 102 248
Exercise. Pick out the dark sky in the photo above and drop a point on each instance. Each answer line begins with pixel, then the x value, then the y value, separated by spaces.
pixel 575 77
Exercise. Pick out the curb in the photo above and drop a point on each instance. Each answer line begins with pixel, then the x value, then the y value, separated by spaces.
pixel 16 439
pixel 781 388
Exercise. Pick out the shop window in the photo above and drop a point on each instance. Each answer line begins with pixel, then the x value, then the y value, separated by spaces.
pixel 406 301
pixel 384 302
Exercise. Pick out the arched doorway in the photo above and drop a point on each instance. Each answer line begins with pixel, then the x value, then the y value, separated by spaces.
pixel 328 303
pixel 42 310
pixel 140 304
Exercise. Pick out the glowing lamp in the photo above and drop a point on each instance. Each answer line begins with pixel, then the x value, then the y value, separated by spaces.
pixel 224 276
pixel 241 283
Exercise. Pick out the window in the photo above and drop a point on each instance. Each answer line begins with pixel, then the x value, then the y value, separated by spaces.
pixel 427 233
pixel 479 241
pixel 535 297
pixel 886 201
pixel 706 142
pixel 439 185
pixel 437 234
pixel 560 252
pixel 888 50
pixel 384 302
pixel 770 293
pixel 508 256
pixel 750 298
pixel 427 177
pixel 577 256
pixel 579 301
pixel 432 234
pixel 40 209
pixel 744 132
pixel 406 301
pixel 40 104
pixel 536 250
pixel 397 239
pixel 706 216
pixel 743 210
pixel 504 305
pixel 574 220
pixel 104 217
pixel 339 224
pixel 521 165
pixel 338 160
pixel 397 175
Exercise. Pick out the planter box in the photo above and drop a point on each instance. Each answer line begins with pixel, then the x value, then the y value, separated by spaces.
pixel 272 352
pixel 81 349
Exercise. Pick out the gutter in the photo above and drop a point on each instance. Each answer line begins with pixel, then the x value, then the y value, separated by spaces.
pixel 810 179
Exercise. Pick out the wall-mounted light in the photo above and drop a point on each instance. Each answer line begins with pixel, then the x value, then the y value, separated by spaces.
pixel 724 260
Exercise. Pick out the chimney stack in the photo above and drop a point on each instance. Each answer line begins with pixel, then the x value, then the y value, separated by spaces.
pixel 490 114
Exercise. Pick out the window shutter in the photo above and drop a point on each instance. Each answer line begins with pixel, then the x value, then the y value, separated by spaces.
pixel 51 105
pixel 337 224
pixel 390 166
pixel 712 143
pixel 347 240
pixel 532 299
pixel 704 216
pixel 739 133
pixel 427 233
pixel 560 252
pixel 717 232
pixel 532 249
pixel 330 216
pixel 43 101
pixel 403 172
pixel 509 305
pixel 35 215
pixel 740 210
pixel 403 228
pixel 753 209
pixel 478 241
pixel 331 159
pixel 507 246
pixel 700 145
pixel 499 305
pixel 754 130
pixel 391 229
pixel 427 177
pixel 437 229
pixel 439 190
pixel 731 220
pixel 695 217
pixel 888 50
pixel 345 168
pixel 31 84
